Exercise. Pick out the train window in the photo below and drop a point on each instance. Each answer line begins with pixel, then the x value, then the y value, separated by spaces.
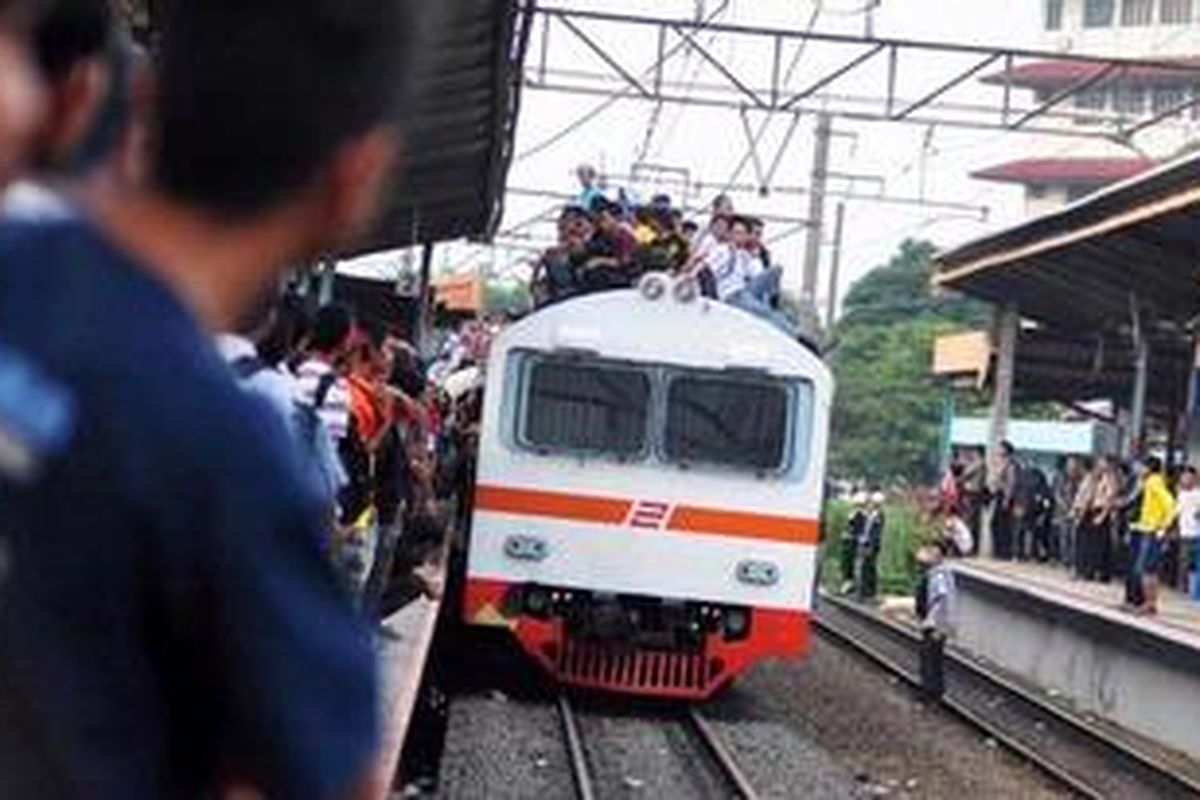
pixel 728 421
pixel 588 407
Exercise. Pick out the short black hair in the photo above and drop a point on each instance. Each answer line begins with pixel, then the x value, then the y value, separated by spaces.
pixel 71 31
pixel 1187 469
pixel 255 96
pixel 1153 463
pixel 690 225
pixel 739 219
pixel 331 328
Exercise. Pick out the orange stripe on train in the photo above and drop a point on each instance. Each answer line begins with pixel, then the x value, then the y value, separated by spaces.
pixel 617 511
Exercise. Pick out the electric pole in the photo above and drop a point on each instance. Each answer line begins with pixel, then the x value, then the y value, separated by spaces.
pixel 816 208
pixel 839 221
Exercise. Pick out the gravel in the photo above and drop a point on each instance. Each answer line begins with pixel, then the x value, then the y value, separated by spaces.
pixel 637 754
pixel 781 763
pixel 867 725
pixel 500 747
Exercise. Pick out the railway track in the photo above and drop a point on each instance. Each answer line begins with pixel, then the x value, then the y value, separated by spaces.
pixel 1083 756
pixel 584 750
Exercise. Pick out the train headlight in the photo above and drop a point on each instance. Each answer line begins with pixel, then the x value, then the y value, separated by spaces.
pixel 758 573
pixel 653 286
pixel 735 622
pixel 526 548
pixel 686 290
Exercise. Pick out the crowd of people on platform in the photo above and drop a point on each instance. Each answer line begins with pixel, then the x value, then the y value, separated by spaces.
pixel 609 242
pixel 201 477
pixel 1102 518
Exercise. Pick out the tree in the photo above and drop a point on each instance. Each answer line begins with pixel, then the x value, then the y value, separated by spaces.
pixel 888 410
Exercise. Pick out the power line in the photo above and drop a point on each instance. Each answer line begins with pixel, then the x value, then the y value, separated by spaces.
pixel 616 95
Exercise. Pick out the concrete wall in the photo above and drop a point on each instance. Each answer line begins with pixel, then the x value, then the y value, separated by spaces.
pixel 1148 684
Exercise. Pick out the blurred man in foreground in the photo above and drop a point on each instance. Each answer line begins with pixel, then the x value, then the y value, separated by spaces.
pixel 22 95
pixel 168 623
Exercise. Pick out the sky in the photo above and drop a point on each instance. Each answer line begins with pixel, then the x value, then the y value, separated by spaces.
pixel 707 144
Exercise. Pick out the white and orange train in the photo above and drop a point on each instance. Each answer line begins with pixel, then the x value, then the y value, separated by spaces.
pixel 649 484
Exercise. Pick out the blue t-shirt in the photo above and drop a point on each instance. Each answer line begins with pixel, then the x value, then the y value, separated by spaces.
pixel 167 620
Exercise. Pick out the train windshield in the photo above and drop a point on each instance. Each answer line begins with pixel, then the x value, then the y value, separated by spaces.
pixel 593 407
pixel 728 421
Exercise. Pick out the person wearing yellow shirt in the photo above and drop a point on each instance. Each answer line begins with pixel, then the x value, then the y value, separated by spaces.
pixel 1156 514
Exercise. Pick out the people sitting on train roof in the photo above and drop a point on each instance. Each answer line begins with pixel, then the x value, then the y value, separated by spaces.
pixel 589 192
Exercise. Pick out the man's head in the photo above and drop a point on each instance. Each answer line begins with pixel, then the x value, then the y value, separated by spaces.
pixel 574 225
pixel 719 228
pixel 331 332
pixel 82 67
pixel 22 95
pixel 722 206
pixel 739 232
pixel 756 231
pixel 1007 451
pixel 268 109
pixel 1187 477
pixel 1151 465
pixel 586 174
pixel 690 229
pixel 608 217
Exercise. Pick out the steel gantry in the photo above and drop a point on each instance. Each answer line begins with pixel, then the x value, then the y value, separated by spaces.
pixel 867 78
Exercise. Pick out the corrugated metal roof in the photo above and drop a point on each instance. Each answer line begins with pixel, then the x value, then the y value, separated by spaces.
pixel 461 126
pixel 1086 265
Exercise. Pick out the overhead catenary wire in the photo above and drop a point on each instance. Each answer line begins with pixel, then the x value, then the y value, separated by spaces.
pixel 615 96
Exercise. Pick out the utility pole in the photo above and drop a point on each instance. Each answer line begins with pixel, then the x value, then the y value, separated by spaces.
pixel 839 221
pixel 816 208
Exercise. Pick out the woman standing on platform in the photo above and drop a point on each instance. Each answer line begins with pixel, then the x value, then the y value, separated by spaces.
pixel 1096 532
pixel 1080 518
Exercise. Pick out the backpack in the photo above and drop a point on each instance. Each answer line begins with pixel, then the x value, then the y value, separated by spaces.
pixel 308 416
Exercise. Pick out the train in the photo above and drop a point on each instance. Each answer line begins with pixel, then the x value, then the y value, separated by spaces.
pixel 648 489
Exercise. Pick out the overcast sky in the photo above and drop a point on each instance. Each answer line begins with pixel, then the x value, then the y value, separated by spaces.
pixel 708 143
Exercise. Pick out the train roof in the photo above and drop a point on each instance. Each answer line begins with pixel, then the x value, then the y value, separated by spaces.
pixel 627 324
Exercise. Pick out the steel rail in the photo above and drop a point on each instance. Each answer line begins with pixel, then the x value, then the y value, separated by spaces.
pixel 1045 761
pixel 581 773
pixel 720 754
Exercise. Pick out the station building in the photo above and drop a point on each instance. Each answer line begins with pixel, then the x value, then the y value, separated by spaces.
pixel 1054 174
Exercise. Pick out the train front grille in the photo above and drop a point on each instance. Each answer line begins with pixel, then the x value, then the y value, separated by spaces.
pixel 601 666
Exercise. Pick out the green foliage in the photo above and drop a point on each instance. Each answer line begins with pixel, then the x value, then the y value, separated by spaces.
pixel 888 411
pixel 905 530
pixel 506 297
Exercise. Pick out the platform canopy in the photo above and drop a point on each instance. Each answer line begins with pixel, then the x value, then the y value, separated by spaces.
pixel 461 126
pixel 460 119
pixel 1085 268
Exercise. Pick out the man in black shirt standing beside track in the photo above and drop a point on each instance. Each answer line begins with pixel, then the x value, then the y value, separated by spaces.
pixel 169 626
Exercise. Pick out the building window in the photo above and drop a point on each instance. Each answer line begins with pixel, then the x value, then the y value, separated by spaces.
pixel 1098 13
pixel 1137 12
pixel 1053 15
pixel 1038 191
pixel 1164 98
pixel 1176 12
pixel 1092 99
pixel 1130 100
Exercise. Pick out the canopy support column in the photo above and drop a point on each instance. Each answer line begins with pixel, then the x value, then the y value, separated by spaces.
pixel 1136 437
pixel 1006 326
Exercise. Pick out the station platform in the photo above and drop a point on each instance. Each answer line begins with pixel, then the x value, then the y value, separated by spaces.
pixel 1073 639
pixel 403 644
